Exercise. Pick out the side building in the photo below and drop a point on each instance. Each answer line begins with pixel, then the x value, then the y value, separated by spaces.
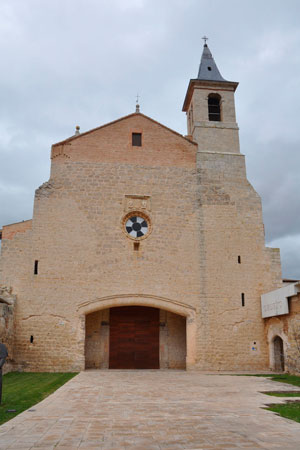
pixel 146 248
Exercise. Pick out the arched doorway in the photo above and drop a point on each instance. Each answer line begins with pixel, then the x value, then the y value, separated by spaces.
pixel 135 337
pixel 278 354
pixel 177 329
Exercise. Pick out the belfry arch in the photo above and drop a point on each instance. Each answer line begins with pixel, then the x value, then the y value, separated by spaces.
pixel 95 312
pixel 214 107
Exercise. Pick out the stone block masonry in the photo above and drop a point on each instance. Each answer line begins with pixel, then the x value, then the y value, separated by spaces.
pixel 7 325
pixel 201 258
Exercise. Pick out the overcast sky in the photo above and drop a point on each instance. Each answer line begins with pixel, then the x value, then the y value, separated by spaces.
pixel 82 62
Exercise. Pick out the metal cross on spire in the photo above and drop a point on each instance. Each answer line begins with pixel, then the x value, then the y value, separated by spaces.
pixel 137 106
pixel 205 38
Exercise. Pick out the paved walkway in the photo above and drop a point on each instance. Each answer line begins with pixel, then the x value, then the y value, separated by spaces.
pixel 154 410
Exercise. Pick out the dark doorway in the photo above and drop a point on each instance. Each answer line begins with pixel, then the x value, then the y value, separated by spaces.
pixel 279 354
pixel 134 338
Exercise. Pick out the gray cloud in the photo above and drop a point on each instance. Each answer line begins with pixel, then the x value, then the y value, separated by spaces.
pixel 275 174
pixel 82 62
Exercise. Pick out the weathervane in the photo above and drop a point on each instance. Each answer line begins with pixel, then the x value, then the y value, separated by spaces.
pixel 137 106
pixel 205 38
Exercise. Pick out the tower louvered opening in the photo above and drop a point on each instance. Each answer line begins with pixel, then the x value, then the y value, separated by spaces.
pixel 214 107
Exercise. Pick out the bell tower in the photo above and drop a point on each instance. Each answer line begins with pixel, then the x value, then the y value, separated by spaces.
pixel 210 109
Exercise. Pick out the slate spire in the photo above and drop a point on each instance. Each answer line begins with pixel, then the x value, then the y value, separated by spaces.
pixel 208 69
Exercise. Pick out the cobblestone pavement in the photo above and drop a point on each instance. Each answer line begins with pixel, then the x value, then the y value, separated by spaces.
pixel 154 410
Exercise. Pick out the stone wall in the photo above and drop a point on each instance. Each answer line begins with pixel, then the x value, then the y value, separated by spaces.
pixel 78 239
pixel 7 306
pixel 236 268
pixel 203 215
pixel 213 136
pixel 287 327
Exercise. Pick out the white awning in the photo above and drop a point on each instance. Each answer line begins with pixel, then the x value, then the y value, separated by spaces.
pixel 275 303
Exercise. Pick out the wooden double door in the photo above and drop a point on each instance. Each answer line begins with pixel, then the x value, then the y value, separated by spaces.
pixel 134 338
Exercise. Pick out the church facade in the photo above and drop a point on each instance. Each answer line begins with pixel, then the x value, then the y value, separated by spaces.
pixel 146 248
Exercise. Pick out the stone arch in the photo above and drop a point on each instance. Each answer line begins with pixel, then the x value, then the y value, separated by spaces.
pixel 147 300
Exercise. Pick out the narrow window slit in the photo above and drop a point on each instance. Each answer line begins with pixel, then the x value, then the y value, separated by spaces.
pixel 239 259
pixel 36 267
pixel 243 298
pixel 31 339
pixel 136 246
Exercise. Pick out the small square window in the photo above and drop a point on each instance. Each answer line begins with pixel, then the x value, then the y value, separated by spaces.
pixel 137 139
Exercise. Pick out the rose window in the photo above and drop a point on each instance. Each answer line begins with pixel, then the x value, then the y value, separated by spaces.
pixel 136 226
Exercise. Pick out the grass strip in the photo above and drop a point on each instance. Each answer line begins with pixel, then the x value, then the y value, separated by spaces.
pixel 286 378
pixel 283 393
pixel 282 378
pixel 21 390
pixel 289 410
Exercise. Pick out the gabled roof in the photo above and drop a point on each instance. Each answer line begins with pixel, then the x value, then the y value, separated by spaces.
pixel 78 136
